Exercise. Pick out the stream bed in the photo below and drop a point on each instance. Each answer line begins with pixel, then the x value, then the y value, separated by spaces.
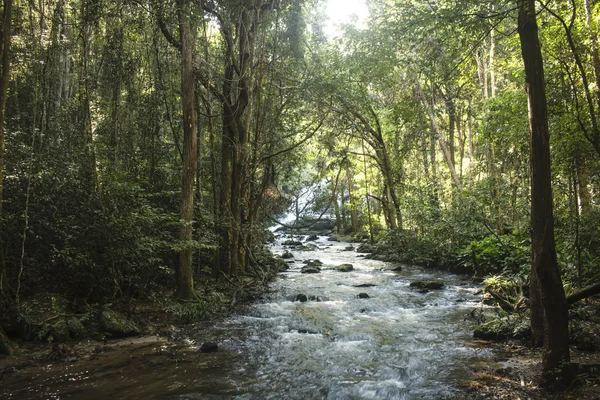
pixel 397 343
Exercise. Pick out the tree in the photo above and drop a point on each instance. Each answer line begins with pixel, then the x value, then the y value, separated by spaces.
pixel 549 312
pixel 184 272
pixel 5 40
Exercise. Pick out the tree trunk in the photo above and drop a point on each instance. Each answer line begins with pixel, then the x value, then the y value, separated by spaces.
pixel 545 275
pixel 184 272
pixel 5 42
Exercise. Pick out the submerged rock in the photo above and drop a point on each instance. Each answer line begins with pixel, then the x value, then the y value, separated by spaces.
pixel 117 324
pixel 397 269
pixel 363 296
pixel 344 268
pixel 365 285
pixel 427 285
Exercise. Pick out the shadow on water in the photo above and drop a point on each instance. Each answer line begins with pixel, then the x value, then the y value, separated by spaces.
pixel 397 343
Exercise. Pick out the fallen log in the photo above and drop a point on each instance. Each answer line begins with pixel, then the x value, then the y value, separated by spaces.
pixel 583 293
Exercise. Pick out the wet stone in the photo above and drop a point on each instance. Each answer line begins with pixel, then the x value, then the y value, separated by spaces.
pixel 310 270
pixel 209 347
pixel 287 255
pixel 312 237
pixel 302 298
pixel 313 263
pixel 345 268
pixel 363 296
pixel 427 285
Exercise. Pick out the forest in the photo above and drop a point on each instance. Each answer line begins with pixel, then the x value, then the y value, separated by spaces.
pixel 146 147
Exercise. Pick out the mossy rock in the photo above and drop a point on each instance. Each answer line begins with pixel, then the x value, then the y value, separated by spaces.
pixel 427 285
pixel 116 324
pixel 344 268
pixel 365 248
pixel 41 315
pixel 287 255
pixel 309 247
pixel 59 332
pixel 518 326
pixel 310 270
pixel 313 263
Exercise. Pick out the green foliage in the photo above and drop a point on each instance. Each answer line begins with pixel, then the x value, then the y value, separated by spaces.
pixel 509 253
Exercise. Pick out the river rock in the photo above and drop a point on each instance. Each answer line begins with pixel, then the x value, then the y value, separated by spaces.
pixel 427 285
pixel 313 263
pixel 302 298
pixel 312 238
pixel 310 270
pixel 209 347
pixel 292 242
pixel 59 332
pixel 349 248
pixel 363 296
pixel 76 328
pixel 39 315
pixel 365 285
pixel 333 239
pixel 397 269
pixel 365 248
pixel 287 255
pixel 345 268
pixel 308 331
pixel 317 298
pixel 309 247
pixel 116 324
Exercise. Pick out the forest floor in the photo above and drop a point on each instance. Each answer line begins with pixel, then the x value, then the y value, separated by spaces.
pixel 515 371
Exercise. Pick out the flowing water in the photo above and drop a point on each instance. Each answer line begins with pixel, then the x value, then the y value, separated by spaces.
pixel 396 344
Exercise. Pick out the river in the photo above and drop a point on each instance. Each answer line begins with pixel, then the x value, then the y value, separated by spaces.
pixel 398 343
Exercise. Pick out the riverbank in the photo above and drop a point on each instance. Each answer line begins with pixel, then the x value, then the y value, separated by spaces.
pixel 361 332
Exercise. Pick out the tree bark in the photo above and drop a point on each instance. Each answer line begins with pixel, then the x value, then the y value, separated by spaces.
pixel 184 272
pixel 545 275
pixel 5 43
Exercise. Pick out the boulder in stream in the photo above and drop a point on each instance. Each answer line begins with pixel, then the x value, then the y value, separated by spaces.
pixel 116 324
pixel 397 269
pixel 292 242
pixel 363 296
pixel 333 239
pixel 349 248
pixel 209 347
pixel 302 298
pixel 287 255
pixel 312 238
pixel 309 269
pixel 309 247
pixel 344 268
pixel 313 263
pixel 427 285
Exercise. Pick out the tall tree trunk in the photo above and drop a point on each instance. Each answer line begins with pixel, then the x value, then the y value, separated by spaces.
pixel 545 275
pixel 5 42
pixel 184 272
